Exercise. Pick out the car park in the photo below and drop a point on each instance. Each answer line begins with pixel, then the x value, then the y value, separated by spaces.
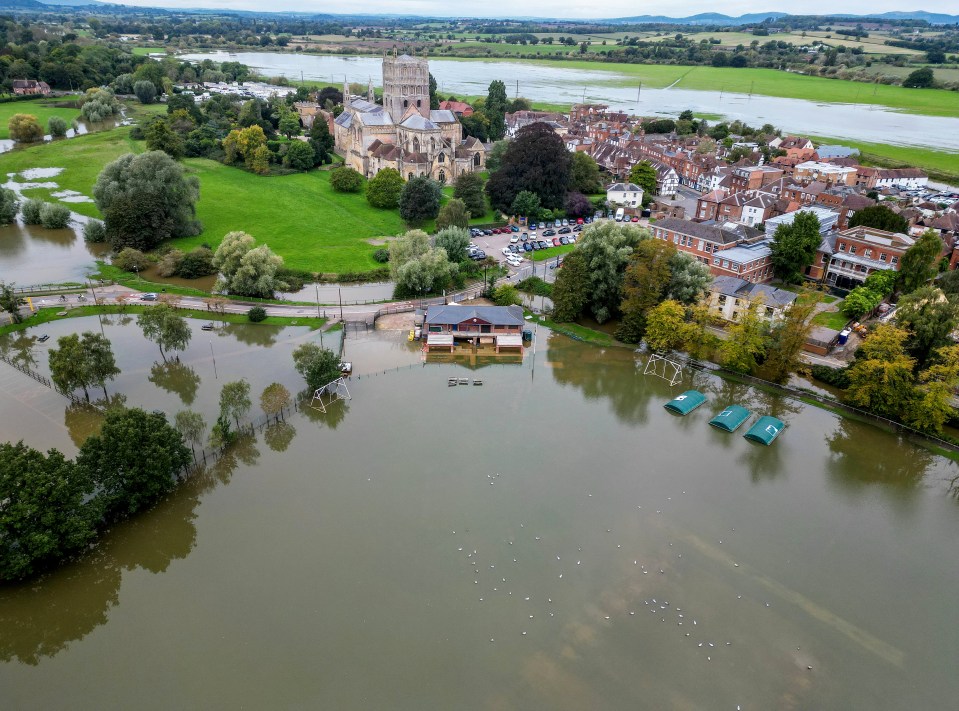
pixel 564 230
pixel 549 233
pixel 564 240
pixel 556 242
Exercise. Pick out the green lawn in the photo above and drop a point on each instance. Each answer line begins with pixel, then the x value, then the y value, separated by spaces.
pixel 831 319
pixel 299 216
pixel 144 51
pixel 541 255
pixel 43 109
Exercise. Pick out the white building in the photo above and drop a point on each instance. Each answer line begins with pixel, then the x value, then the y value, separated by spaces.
pixel 827 219
pixel 625 194
pixel 730 297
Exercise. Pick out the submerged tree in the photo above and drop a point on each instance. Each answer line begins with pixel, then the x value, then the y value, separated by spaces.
pixel 162 325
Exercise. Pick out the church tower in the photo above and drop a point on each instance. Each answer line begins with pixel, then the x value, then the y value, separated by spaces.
pixel 406 83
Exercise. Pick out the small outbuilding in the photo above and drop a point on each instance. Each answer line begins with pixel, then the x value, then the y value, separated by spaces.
pixel 731 418
pixel 685 403
pixel 765 430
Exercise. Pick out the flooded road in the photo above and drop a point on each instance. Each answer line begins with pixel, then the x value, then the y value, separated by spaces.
pixel 553 539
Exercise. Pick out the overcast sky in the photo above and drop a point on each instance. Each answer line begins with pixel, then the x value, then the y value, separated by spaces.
pixel 555 8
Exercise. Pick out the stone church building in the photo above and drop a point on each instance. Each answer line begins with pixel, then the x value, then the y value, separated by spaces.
pixel 404 133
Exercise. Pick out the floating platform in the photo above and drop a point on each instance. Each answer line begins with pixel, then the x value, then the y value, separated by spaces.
pixel 730 419
pixel 685 403
pixel 765 430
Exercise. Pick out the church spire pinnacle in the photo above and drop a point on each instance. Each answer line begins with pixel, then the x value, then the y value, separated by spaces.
pixel 346 93
pixel 370 96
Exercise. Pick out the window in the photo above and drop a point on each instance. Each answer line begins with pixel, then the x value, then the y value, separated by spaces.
pixel 419 103
pixel 882 256
pixel 722 299
pixel 440 158
pixel 725 264
pixel 895 259
pixel 852 249
pixel 825 258
pixel 442 177
pixel 716 261
pixel 769 312
pixel 842 246
pixel 409 176
pixel 476 159
pixel 868 254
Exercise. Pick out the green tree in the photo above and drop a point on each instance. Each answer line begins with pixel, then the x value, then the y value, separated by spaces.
pixel 495 109
pixel 434 99
pixel 881 218
pixel 860 301
pixel 881 378
pixel 261 161
pixel 383 189
pixel 494 159
pixel 526 204
pixel 299 156
pixel 191 427
pixel 455 241
pixel 8 206
pixel 134 460
pixel 322 142
pixel 794 246
pixel 536 161
pixel 247 270
pixel 145 91
pixel 783 355
pixel 131 260
pixel 699 339
pixel 289 124
pixel 31 211
pixel 82 362
pixel 420 200
pixel 645 283
pixel 689 279
pixel 345 180
pixel 10 302
pixel 920 79
pixel 930 317
pixel 162 325
pixel 920 262
pixel 99 361
pixel 666 326
pixel 428 273
pixel 54 216
pixel 453 214
pixel 644 175
pixel 243 143
pixel 160 137
pixel 412 245
pixel 881 281
pixel 235 400
pixel 746 340
pixel 469 188
pixel 57 127
pixel 24 128
pixel 506 295
pixel 318 366
pixel 49 510
pixel 932 407
pixel 571 288
pixel 274 398
pixel 607 248
pixel 146 199
pixel 584 174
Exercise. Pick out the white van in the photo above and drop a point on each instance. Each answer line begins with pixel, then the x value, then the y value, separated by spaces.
pixel 620 214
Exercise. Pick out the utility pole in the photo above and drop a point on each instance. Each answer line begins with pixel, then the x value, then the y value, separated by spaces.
pixel 317 287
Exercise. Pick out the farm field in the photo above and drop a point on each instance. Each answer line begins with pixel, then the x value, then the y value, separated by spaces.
pixel 143 51
pixel 43 109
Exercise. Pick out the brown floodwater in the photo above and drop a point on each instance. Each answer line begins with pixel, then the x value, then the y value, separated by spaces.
pixel 31 254
pixel 553 539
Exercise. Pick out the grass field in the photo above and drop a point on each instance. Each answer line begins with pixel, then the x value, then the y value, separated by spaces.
pixel 43 109
pixel 831 319
pixel 541 255
pixel 299 216
pixel 143 51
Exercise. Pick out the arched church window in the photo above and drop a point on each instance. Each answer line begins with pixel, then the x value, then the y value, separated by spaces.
pixel 419 103
pixel 476 159
pixel 405 103
pixel 442 177
pixel 416 145
pixel 409 177
pixel 440 158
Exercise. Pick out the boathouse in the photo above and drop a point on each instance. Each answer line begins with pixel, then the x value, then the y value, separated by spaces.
pixel 448 325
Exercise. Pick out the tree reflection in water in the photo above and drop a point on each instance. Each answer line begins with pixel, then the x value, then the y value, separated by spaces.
pixel 334 415
pixel 251 334
pixel 278 435
pixel 177 378
pixel 18 347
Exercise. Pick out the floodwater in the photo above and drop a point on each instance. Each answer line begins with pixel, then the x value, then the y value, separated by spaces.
pixel 31 254
pixel 556 83
pixel 553 539
pixel 82 127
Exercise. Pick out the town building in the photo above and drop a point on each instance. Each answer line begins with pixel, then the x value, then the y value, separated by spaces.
pixel 858 252
pixel 404 133
pixel 625 194
pixel 30 87
pixel 460 108
pixel 730 297
pixel 902 178
pixel 829 173
pixel 499 326
pixel 729 249
pixel 827 219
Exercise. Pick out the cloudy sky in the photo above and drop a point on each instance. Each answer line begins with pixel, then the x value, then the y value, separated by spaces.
pixel 556 8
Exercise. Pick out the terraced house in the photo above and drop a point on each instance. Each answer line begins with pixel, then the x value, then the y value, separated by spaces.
pixel 729 249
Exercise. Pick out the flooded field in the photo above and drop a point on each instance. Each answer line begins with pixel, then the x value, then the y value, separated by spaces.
pixel 553 539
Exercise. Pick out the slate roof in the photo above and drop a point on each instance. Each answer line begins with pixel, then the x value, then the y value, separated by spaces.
pixel 442 116
pixel 494 315
pixel 729 234
pixel 624 187
pixel 742 289
pixel 418 122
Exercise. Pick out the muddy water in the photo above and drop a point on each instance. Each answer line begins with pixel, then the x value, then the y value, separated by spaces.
pixel 31 254
pixel 358 559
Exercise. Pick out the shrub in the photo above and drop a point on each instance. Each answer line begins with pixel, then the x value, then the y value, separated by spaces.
pixel 506 295
pixel 382 256
pixel 146 91
pixel 31 212
pixel 345 180
pixel 196 263
pixel 54 216
pixel 256 314
pixel 57 127
pixel 170 263
pixel 94 232
pixel 837 377
pixel 8 206
pixel 383 190
pixel 130 260
pixel 24 128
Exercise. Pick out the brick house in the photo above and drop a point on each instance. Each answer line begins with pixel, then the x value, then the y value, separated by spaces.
pixel 500 325
pixel 30 87
pixel 753 177
pixel 860 251
pixel 728 250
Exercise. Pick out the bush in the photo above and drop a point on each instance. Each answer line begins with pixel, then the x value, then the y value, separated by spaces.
pixel 535 285
pixel 196 263
pixel 54 216
pixel 57 127
pixel 383 190
pixel 146 91
pixel 31 211
pixel 299 156
pixel 256 314
pixel 136 133
pixel 130 260
pixel 837 377
pixel 24 128
pixel 94 232
pixel 170 263
pixel 382 256
pixel 8 206
pixel 506 295
pixel 345 180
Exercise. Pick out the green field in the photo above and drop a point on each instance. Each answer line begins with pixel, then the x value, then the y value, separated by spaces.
pixel 43 109
pixel 143 51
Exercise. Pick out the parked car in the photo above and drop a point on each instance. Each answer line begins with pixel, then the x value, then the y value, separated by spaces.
pixel 149 297
pixel 524 236
pixel 564 230
pixel 572 239
pixel 565 222
pixel 513 248
pixel 635 218
pixel 564 240
pixel 513 239
pixel 578 228
pixel 533 227
pixel 549 233
pixel 479 254
pixel 542 225
pixel 527 247
pixel 579 220
pixel 514 228
pixel 506 251
pixel 556 242
pixel 535 245
pixel 543 245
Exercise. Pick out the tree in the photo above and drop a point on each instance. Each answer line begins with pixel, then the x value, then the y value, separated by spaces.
pixel 67 365
pixel 383 189
pixel 880 217
pixel 644 175
pixel 130 260
pixel 453 214
pixel 689 279
pixel 24 128
pixel 571 288
pixel 428 273
pixel 930 318
pixel 645 282
pixel 274 399
pixel 860 301
pixel 260 163
pixel 99 104
pixel 469 188
pixel 345 180
pixel 789 336
pixel 318 366
pixel 526 204
pixel 494 159
pixel 8 206
pixel 746 343
pixel 420 200
pixel 920 79
pixel 49 511
pixel 247 270
pixel 99 361
pixel 476 125
pixel 289 124
pixel 700 340
pixel 160 137
pixel 584 174
pixel 243 143
pixel 235 400
pixel 608 248
pixel 145 91
pixel 794 246
pixel 412 245
pixel 455 241
pixel 57 127
pixel 162 325
pixel 537 161
pixel 434 99
pixel 146 199
pixel 134 460
pixel 920 262
pixel 665 326
pixel 299 156
pixel 881 378
pixel 54 216
pixel 191 427
pixel 321 141
pixel 578 205
pixel 495 109
pixel 881 281
pixel 933 405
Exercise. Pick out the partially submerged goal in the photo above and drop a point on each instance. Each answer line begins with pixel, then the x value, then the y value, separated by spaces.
pixel 328 394
pixel 661 366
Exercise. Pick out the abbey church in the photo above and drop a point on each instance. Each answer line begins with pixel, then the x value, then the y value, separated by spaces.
pixel 404 133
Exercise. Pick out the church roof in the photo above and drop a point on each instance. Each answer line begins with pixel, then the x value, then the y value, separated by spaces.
pixel 415 121
pixel 375 118
pixel 345 119
pixel 363 105
pixel 442 116
pixel 405 59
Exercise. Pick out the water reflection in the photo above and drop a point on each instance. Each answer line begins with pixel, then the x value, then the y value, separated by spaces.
pixel 18 347
pixel 177 378
pixel 82 420
pixel 278 435
pixel 334 415
pixel 242 451
pixel 250 334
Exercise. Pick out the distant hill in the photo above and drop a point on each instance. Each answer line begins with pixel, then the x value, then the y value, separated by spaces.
pixel 716 18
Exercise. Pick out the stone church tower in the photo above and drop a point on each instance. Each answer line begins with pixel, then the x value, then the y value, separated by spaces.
pixel 406 83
